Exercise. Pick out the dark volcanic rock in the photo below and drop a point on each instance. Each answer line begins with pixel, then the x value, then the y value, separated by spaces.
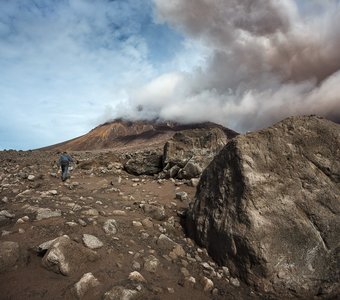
pixel 186 144
pixel 190 151
pixel 268 208
pixel 144 164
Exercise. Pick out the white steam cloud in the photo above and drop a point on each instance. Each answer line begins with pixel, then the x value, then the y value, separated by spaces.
pixel 268 59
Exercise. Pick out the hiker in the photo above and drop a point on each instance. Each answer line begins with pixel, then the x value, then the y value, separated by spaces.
pixel 64 162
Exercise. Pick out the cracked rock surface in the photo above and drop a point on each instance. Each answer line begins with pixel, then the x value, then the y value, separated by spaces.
pixel 268 207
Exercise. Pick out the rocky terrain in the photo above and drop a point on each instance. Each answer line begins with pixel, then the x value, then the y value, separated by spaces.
pixel 125 224
pixel 103 234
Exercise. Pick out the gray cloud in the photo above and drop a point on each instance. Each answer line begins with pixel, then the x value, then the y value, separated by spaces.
pixel 266 60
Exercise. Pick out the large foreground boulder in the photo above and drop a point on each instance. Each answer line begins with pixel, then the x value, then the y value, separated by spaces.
pixel 268 207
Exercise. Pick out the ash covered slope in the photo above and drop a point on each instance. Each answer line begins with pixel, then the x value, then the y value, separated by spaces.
pixel 128 134
pixel 268 207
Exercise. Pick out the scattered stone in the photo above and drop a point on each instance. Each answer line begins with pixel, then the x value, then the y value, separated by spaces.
pixel 234 281
pixel 66 256
pixel 110 227
pixel 137 224
pixel 165 243
pixel 120 293
pixel 194 182
pixel 136 265
pixel 42 248
pixel 71 224
pixel 155 212
pixel 151 264
pixel 226 271
pixel 207 283
pixel 9 255
pixel 191 281
pixel 87 282
pixel 119 213
pixel 90 212
pixel 185 272
pixel 82 222
pixel 4 214
pixel 46 213
pixel 91 241
pixel 147 223
pixel 178 251
pixel 145 235
pixel 183 196
pixel 31 177
pixel 137 277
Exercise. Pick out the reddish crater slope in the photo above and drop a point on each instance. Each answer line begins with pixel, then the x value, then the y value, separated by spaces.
pixel 121 134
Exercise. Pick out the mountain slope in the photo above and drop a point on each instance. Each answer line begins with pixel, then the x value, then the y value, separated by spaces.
pixel 123 134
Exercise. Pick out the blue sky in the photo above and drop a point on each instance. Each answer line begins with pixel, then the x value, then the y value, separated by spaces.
pixel 69 65
pixel 66 65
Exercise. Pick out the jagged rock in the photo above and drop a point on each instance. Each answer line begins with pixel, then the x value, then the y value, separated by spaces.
pixel 42 248
pixel 190 170
pixel 207 283
pixel 155 212
pixel 137 277
pixel 31 177
pixel 120 293
pixel 136 265
pixel 193 150
pixel 183 196
pixel 151 264
pixel 66 256
pixel 165 243
pixel 110 227
pixel 173 171
pixel 86 283
pixel 4 214
pixel 268 207
pixel 9 255
pixel 194 182
pixel 137 224
pixel 92 242
pixel 144 164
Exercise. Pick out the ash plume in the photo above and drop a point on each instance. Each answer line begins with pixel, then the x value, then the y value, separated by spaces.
pixel 265 60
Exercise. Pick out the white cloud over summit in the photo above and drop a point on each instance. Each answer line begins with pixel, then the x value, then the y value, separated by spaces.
pixel 267 60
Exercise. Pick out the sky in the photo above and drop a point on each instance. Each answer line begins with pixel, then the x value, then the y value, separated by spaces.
pixel 70 65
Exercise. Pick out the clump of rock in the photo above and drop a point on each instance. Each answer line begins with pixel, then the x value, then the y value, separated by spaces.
pixel 268 208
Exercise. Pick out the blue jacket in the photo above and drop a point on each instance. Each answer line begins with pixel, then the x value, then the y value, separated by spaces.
pixel 65 159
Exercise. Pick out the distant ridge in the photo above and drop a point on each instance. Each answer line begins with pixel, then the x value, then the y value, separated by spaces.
pixel 121 134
